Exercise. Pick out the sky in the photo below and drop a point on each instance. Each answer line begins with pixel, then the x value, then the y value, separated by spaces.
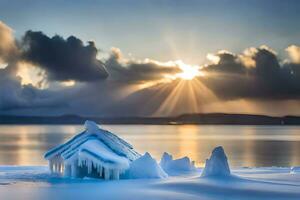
pixel 149 58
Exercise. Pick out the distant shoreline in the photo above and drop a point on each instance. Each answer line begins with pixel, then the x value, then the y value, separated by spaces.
pixel 201 119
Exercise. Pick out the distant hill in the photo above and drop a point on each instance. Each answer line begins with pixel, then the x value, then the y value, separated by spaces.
pixel 208 118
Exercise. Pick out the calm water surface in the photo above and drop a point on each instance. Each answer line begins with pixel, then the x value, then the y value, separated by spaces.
pixel 245 145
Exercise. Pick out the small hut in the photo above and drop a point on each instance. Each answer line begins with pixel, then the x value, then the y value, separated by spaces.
pixel 93 153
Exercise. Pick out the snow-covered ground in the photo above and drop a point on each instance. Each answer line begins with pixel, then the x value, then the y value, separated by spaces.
pixel 142 176
pixel 17 182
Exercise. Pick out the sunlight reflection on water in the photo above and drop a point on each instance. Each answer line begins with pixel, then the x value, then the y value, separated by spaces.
pixel 244 145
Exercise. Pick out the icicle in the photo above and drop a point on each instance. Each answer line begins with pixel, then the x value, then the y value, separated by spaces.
pixel 74 170
pixel 100 170
pixel 51 165
pixel 106 174
pixel 59 168
pixel 54 169
pixel 90 165
pixel 67 170
pixel 56 164
pixel 115 174
pixel 79 162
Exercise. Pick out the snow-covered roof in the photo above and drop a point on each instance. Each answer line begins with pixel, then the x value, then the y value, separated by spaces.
pixel 97 145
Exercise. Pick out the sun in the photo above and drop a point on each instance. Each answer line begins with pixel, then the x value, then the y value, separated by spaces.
pixel 189 72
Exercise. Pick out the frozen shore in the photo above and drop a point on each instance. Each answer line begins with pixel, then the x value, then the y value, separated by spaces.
pixel 35 182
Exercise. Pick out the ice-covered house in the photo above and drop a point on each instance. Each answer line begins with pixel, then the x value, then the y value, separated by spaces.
pixel 94 153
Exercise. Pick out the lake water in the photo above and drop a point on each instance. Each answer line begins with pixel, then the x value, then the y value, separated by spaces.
pixel 245 145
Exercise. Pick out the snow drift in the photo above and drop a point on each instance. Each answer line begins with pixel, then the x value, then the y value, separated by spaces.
pixel 217 164
pixel 94 153
pixel 181 164
pixel 145 167
pixel 272 183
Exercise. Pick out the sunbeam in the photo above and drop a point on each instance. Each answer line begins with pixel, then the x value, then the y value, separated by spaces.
pixel 186 96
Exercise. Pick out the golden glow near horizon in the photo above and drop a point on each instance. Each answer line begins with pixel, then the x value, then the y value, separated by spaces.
pixel 68 83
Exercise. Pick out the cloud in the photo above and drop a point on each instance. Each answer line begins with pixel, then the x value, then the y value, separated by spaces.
pixel 122 69
pixel 224 62
pixel 256 73
pixel 63 59
pixel 8 47
pixel 294 53
pixel 14 95
pixel 111 86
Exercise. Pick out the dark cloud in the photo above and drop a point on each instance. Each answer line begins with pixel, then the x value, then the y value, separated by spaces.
pixel 227 63
pixel 131 70
pixel 62 59
pixel 14 95
pixel 258 74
